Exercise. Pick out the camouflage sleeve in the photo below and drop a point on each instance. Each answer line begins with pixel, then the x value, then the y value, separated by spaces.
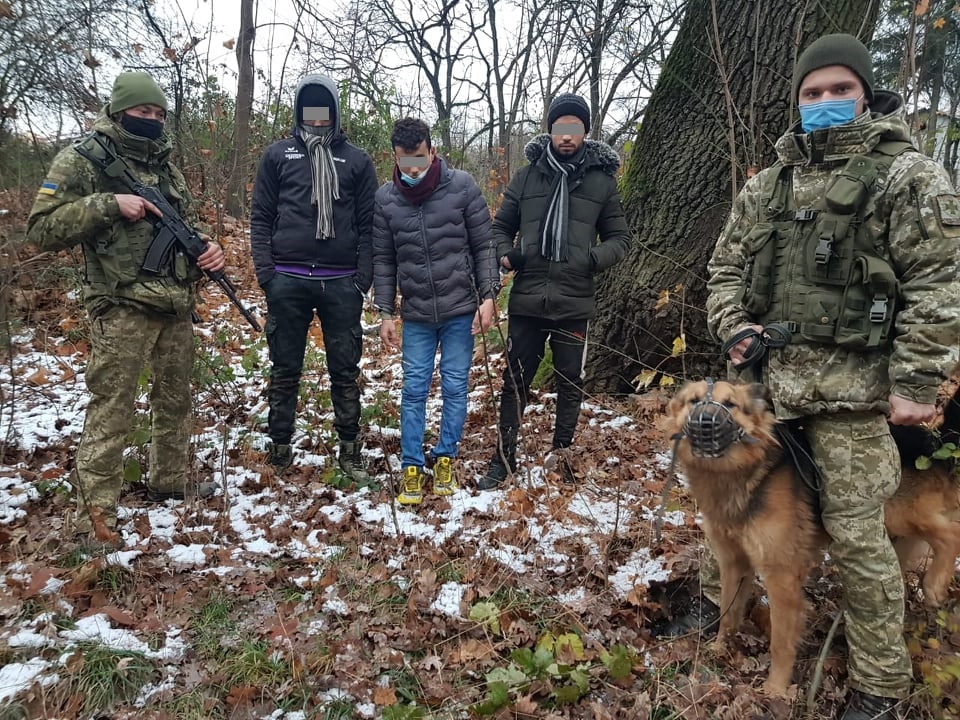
pixel 924 243
pixel 726 265
pixel 68 209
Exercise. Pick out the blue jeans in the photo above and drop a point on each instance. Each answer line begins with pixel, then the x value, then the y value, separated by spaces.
pixel 420 341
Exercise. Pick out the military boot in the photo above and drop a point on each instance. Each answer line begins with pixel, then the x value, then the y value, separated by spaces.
pixel 560 461
pixel 190 490
pixel 281 455
pixel 702 617
pixel 863 706
pixel 503 462
pixel 497 472
pixel 351 463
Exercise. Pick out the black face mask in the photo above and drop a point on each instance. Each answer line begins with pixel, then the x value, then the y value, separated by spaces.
pixel 142 127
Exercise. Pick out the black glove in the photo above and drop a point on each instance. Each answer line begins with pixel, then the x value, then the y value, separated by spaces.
pixel 516 259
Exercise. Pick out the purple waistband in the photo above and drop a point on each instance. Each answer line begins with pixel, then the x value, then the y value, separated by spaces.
pixel 312 271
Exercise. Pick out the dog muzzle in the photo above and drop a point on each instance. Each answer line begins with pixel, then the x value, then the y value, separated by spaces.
pixel 710 428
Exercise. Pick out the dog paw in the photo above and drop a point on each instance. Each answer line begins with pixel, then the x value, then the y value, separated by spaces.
pixel 719 648
pixel 779 690
pixel 934 594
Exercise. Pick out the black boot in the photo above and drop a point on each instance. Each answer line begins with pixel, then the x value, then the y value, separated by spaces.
pixel 351 462
pixel 281 455
pixel 560 461
pixel 702 617
pixel 863 706
pixel 497 472
pixel 503 462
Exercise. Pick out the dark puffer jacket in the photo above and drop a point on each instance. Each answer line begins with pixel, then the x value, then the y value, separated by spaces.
pixel 440 253
pixel 561 290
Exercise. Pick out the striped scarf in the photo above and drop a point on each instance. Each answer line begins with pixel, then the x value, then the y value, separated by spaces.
pixel 553 227
pixel 326 184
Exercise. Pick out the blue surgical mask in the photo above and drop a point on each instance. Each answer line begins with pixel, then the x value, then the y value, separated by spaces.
pixel 411 181
pixel 827 113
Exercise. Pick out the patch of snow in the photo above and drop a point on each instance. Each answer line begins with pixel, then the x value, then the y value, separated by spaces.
pixel 639 569
pixel 448 599
pixel 15 677
pixel 188 554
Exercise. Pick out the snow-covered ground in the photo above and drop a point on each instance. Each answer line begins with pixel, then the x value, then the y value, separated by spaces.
pixel 536 528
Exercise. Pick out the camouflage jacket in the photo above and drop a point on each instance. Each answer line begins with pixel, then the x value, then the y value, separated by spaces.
pixel 915 221
pixel 76 204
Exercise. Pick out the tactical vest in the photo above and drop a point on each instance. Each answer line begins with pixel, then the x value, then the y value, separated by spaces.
pixel 118 256
pixel 816 269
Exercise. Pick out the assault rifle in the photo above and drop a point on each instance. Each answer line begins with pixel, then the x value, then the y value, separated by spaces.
pixel 170 231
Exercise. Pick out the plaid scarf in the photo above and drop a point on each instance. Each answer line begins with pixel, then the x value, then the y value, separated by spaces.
pixel 553 227
pixel 326 184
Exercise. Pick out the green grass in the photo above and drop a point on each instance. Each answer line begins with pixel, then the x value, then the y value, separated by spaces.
pixel 103 676
pixel 74 557
pixel 14 711
pixel 115 580
pixel 210 624
pixel 254 663
pixel 339 709
pixel 193 705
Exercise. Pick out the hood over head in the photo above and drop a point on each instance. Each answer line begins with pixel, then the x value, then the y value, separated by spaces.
pixel 316 90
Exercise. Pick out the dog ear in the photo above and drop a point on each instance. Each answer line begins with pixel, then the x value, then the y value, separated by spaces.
pixel 762 399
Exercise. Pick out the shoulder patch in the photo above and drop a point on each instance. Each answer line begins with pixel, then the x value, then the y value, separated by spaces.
pixel 49 188
pixel 948 208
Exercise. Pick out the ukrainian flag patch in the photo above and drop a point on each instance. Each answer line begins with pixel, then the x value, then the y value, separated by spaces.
pixel 49 188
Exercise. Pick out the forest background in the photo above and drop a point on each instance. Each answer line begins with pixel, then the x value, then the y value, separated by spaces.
pixel 530 604
pixel 482 72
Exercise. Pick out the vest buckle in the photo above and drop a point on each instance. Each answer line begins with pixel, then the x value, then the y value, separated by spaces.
pixel 878 308
pixel 823 251
pixel 805 215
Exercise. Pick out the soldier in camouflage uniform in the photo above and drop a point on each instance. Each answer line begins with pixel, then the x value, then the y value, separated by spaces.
pixel 136 319
pixel 850 244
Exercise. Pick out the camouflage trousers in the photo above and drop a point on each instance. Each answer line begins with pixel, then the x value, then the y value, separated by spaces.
pixel 124 341
pixel 861 469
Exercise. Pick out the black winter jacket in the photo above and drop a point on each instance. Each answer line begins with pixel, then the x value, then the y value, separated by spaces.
pixel 561 290
pixel 283 221
pixel 440 253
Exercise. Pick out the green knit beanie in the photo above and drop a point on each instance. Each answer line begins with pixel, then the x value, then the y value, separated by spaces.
pixel 135 88
pixel 837 49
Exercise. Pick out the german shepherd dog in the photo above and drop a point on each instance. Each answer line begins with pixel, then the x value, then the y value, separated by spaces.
pixel 762 517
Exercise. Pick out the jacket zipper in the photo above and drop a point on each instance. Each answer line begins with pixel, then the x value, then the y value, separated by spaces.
pixel 426 255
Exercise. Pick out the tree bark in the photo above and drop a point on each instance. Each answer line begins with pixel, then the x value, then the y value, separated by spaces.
pixel 722 99
pixel 236 186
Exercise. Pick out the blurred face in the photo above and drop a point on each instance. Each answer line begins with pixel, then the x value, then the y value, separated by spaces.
pixel 566 134
pixel 834 82
pixel 416 161
pixel 317 116
pixel 147 112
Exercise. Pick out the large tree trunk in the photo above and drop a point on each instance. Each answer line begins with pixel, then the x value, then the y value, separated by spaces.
pixel 712 119
pixel 240 172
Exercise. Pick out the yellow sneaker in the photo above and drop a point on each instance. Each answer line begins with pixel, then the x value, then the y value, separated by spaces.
pixel 412 490
pixel 444 482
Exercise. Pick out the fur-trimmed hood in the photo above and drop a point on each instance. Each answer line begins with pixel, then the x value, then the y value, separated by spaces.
pixel 598 154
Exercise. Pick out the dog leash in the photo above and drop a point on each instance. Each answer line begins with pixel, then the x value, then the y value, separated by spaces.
pixel 667 487
pixel 775 335
pixel 800 458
